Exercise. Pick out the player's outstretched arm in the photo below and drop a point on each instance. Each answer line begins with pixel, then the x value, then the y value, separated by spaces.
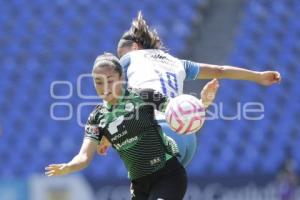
pixel 265 78
pixel 80 161
pixel 209 92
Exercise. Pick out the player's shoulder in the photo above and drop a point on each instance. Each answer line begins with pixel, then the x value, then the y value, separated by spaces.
pixel 97 113
pixel 125 60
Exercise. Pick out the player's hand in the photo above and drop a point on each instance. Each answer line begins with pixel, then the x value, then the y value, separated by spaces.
pixel 268 78
pixel 57 169
pixel 209 92
pixel 103 146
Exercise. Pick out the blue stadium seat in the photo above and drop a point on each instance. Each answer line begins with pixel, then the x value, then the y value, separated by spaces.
pixel 273 44
pixel 225 161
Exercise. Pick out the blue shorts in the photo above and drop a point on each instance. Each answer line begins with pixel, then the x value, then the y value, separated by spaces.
pixel 187 144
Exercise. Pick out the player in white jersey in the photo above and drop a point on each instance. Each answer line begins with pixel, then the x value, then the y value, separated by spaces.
pixel 160 71
pixel 146 65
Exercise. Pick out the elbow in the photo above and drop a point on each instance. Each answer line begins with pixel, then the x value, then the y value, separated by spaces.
pixel 84 160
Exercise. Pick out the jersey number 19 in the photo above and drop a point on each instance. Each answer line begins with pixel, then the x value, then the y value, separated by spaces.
pixel 168 81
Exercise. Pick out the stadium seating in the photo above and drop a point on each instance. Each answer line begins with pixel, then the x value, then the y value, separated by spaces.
pixel 268 38
pixel 47 41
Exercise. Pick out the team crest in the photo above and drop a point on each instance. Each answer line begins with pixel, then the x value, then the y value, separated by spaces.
pixel 92 129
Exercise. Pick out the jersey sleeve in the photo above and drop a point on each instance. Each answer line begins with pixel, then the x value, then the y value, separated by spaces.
pixel 125 62
pixel 157 99
pixel 92 129
pixel 192 69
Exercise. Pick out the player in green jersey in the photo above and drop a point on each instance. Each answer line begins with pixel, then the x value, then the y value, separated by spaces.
pixel 126 118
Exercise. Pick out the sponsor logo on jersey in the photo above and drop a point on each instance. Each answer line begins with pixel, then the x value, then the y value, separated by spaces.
pixel 119 136
pixel 159 57
pixel 155 161
pixel 127 141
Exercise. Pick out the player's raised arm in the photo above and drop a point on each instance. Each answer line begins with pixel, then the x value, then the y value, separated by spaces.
pixel 266 78
pixel 79 162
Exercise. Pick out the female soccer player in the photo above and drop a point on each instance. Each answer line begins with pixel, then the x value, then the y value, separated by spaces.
pixel 146 65
pixel 127 120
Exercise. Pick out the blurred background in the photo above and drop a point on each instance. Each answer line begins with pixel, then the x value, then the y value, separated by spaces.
pixel 47 49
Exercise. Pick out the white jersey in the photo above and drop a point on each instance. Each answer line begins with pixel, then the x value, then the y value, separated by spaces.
pixel 155 69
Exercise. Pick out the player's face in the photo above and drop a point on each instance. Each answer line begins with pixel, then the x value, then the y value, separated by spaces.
pixel 108 83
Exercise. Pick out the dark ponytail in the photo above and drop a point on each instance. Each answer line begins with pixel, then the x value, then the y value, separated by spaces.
pixel 141 34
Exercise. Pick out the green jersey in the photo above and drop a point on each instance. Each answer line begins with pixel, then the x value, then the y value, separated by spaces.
pixel 131 128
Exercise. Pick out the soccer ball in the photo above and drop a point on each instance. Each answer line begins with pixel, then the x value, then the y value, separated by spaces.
pixel 185 114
